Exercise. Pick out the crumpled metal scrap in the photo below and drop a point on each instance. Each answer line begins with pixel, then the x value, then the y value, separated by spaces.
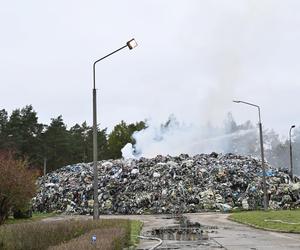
pixel 166 184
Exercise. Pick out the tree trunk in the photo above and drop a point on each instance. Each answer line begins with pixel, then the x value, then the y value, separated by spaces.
pixel 4 209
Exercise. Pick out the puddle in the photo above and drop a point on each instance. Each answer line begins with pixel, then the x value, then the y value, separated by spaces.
pixel 185 231
pixel 185 235
pixel 179 234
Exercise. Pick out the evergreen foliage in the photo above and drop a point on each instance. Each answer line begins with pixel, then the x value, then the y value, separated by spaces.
pixel 59 146
pixel 21 133
pixel 120 136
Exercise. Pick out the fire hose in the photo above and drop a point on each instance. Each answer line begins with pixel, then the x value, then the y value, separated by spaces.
pixel 152 238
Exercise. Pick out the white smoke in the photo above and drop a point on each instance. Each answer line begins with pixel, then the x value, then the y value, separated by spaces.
pixel 229 41
pixel 174 138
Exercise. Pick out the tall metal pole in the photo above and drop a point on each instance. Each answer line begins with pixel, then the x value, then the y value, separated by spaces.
pixel 95 152
pixel 95 130
pixel 45 166
pixel 291 152
pixel 262 153
pixel 263 167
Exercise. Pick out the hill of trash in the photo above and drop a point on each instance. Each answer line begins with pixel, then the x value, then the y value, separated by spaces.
pixel 166 184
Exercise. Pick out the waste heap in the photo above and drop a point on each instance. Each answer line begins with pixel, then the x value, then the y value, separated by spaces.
pixel 166 184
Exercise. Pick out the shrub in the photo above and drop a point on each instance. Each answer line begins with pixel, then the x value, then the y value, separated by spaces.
pixel 17 185
pixel 23 213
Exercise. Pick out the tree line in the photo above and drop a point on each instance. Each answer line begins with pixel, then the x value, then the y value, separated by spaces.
pixel 21 133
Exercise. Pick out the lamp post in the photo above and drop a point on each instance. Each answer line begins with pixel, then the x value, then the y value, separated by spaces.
pixel 130 44
pixel 291 152
pixel 261 151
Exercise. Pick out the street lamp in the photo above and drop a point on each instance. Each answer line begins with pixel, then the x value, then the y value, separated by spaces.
pixel 130 44
pixel 291 152
pixel 262 153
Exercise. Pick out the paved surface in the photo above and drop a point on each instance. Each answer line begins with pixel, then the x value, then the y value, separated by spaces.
pixel 232 235
pixel 228 235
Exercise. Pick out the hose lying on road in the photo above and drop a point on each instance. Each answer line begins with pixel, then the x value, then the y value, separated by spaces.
pixel 284 222
pixel 152 238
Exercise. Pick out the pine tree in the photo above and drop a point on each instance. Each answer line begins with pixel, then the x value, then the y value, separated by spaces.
pixel 120 136
pixel 57 144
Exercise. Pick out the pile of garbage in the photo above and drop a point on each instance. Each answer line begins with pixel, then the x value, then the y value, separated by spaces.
pixel 166 184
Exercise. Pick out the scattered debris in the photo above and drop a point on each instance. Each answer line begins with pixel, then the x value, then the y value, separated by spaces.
pixel 185 235
pixel 166 184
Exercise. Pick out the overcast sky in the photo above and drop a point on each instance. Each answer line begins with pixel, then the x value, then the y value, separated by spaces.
pixel 193 58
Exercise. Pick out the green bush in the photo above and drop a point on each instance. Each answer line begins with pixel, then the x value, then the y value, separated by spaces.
pixel 23 213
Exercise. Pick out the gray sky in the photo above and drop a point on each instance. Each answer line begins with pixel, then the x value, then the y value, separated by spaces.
pixel 193 58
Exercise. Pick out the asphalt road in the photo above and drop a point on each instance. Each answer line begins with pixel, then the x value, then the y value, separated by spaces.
pixel 233 236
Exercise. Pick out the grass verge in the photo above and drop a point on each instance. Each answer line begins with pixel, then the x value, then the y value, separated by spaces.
pixel 136 227
pixel 281 221
pixel 107 239
pixel 113 234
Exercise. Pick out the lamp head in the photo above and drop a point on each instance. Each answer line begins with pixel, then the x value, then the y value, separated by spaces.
pixel 131 44
pixel 293 126
pixel 236 101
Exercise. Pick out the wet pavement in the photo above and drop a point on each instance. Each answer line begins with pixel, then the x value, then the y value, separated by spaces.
pixel 185 235
pixel 234 236
pixel 220 233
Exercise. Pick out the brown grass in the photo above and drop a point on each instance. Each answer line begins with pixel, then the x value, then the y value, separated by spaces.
pixel 42 235
pixel 107 239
